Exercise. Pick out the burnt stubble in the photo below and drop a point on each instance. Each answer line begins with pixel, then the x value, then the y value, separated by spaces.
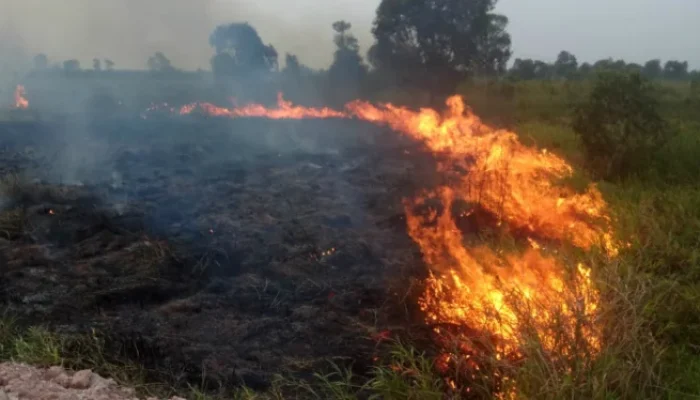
pixel 230 249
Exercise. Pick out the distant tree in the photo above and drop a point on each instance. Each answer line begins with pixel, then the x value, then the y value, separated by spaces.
pixel 109 64
pixel 608 64
pixel 566 65
pixel 528 69
pixel 585 69
pixel 292 68
pixel 436 44
pixel 543 70
pixel 619 125
pixel 604 64
pixel 159 63
pixel 96 64
pixel 41 62
pixel 620 65
pixel 652 69
pixel 71 65
pixel 523 69
pixel 347 69
pixel 634 68
pixel 676 70
pixel 240 51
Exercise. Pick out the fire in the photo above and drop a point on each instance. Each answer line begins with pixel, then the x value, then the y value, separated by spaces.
pixel 284 110
pixel 474 283
pixel 20 100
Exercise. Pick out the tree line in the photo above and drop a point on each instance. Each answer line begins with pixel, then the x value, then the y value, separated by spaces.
pixel 425 44
pixel 566 66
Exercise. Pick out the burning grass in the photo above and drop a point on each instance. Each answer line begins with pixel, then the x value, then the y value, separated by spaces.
pixel 473 286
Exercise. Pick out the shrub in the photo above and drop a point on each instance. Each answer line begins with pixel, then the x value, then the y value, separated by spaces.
pixel 619 125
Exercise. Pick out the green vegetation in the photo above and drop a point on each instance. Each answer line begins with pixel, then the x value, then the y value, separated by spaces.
pixel 40 347
pixel 619 125
pixel 408 375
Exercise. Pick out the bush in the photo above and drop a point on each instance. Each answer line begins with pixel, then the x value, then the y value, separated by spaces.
pixel 620 126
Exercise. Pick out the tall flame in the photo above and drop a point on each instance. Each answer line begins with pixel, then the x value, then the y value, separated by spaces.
pixel 21 101
pixel 475 285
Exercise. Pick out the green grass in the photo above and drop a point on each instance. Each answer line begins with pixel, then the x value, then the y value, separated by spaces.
pixel 407 374
pixel 39 346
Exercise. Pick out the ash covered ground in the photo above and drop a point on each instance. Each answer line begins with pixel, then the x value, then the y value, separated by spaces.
pixel 230 249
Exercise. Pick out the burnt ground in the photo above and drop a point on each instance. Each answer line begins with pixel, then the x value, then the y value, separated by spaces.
pixel 234 249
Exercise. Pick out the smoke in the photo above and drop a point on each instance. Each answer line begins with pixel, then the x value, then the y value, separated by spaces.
pixel 14 61
pixel 129 31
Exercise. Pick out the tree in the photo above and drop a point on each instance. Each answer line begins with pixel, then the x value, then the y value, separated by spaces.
pixel 652 69
pixel 292 68
pixel 159 63
pixel 566 65
pixel 71 65
pixel 435 44
pixel 348 69
pixel 523 69
pixel 41 62
pixel 493 48
pixel 543 70
pixel 96 64
pixel 240 51
pixel 619 125
pixel 109 64
pixel 585 69
pixel 676 70
pixel 608 64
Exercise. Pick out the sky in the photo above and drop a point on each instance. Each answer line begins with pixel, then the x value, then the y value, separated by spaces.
pixel 129 31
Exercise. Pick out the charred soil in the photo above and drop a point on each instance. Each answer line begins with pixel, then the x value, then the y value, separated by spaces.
pixel 213 250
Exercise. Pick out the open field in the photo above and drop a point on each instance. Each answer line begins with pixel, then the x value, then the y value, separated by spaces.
pixel 183 252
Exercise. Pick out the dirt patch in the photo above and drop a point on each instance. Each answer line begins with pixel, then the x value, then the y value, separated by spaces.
pixel 19 381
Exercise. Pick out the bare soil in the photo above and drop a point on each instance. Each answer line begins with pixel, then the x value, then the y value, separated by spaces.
pixel 19 381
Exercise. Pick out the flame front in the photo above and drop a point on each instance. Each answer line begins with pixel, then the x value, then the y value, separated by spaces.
pixel 284 110
pixel 479 287
pixel 21 101
pixel 471 284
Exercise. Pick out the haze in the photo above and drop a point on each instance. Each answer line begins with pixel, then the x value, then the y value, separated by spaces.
pixel 129 31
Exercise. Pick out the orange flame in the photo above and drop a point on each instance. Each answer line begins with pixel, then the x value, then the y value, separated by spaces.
pixel 476 286
pixel 20 100
pixel 284 110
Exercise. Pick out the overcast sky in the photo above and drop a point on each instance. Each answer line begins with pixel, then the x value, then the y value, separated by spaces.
pixel 128 31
